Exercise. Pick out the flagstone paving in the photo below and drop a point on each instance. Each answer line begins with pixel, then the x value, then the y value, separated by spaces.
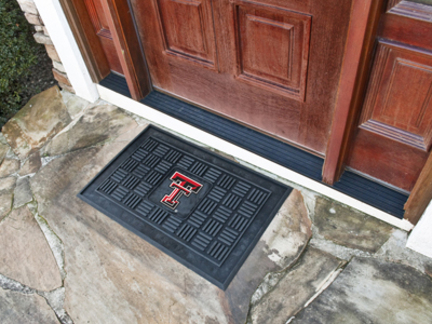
pixel 31 165
pixel 16 308
pixel 9 167
pixel 61 261
pixel 348 227
pixel 370 290
pixel 38 121
pixel 25 254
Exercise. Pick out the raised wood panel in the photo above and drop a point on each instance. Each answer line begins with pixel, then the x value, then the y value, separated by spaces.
pixel 398 102
pixel 388 160
pixel 272 48
pixel 412 9
pixel 187 30
pixel 303 122
pixel 407 28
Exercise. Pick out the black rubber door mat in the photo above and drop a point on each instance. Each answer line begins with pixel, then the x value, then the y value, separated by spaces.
pixel 204 210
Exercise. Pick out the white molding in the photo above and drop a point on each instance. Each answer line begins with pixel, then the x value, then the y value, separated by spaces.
pixel 61 35
pixel 221 145
pixel 420 239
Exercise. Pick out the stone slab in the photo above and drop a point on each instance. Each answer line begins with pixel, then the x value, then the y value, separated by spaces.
pixel 52 53
pixel 7 184
pixel 348 227
pixel 33 19
pixel 5 203
pixel 39 120
pixel 25 255
pixel 28 6
pixel 22 193
pixel 32 165
pixel 279 247
pixel 395 250
pixel 114 276
pixel 74 104
pixel 59 66
pixel 4 148
pixel 20 308
pixel 96 125
pixel 295 288
pixel 8 167
pixel 41 38
pixel 373 291
pixel 60 76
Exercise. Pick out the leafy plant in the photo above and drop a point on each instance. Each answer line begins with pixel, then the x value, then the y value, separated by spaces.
pixel 17 56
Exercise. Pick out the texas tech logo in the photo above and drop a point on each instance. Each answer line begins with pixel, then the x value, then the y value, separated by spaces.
pixel 182 186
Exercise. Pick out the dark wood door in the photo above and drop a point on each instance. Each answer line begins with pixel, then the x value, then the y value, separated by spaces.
pixel 394 134
pixel 101 27
pixel 270 64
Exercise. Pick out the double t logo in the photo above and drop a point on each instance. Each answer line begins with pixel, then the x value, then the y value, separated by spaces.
pixel 182 186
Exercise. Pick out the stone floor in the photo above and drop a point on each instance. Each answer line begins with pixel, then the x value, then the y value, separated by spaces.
pixel 61 261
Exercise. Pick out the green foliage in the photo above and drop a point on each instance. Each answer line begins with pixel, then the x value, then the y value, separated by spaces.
pixel 17 56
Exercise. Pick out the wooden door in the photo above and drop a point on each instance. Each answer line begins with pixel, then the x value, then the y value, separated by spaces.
pixel 394 135
pixel 270 64
pixel 101 28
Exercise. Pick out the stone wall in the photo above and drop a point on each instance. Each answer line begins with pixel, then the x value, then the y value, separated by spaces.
pixel 42 37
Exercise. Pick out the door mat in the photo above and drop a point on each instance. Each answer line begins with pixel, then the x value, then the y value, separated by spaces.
pixel 202 209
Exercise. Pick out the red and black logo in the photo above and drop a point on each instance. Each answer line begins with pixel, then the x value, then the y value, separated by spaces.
pixel 182 186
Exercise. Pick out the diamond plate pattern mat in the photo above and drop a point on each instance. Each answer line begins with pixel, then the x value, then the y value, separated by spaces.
pixel 205 211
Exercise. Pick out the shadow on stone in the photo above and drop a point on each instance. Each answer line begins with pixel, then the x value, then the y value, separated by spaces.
pixel 345 226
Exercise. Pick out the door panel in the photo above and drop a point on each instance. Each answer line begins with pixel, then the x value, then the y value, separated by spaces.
pixel 402 78
pixel 100 25
pixel 273 65
pixel 272 48
pixel 187 30
pixel 395 130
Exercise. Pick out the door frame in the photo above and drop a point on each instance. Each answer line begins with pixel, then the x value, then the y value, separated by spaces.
pixel 125 38
pixel 356 68
pixel 355 71
pixel 364 20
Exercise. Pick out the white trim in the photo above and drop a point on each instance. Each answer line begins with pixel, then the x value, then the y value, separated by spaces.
pixel 221 145
pixel 61 35
pixel 420 240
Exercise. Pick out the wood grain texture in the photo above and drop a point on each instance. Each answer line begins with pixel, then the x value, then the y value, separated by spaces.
pixel 285 35
pixel 421 194
pixel 187 30
pixel 353 81
pixel 304 123
pixel 101 28
pixel 412 10
pixel 406 29
pixel 394 133
pixel 399 100
pixel 111 53
pixel 390 161
pixel 121 25
pixel 87 40
pixel 97 15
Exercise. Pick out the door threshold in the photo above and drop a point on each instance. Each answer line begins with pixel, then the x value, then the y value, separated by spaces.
pixel 260 150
